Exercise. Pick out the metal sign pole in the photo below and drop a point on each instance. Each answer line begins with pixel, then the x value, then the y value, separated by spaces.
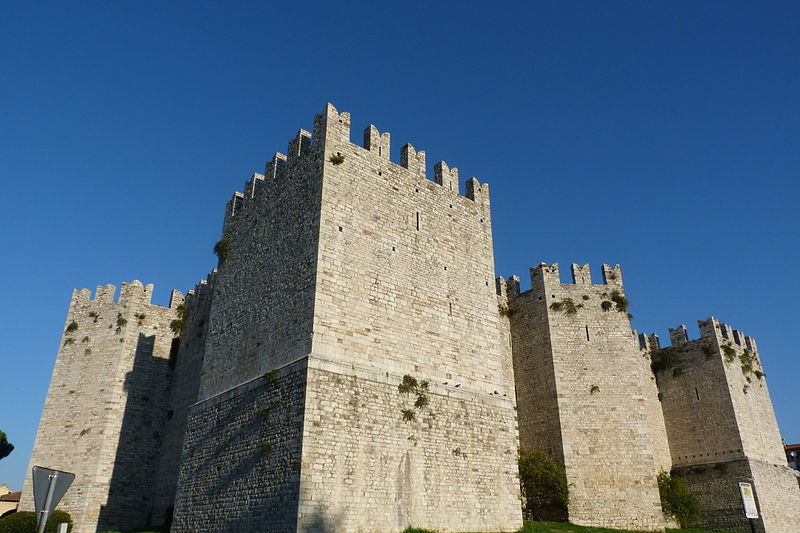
pixel 44 513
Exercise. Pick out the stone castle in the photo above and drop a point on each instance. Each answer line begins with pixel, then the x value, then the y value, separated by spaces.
pixel 354 365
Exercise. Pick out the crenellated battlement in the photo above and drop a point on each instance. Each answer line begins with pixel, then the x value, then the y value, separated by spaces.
pixel 202 290
pixel 712 333
pixel 649 342
pixel 413 161
pixel 133 292
pixel 377 142
pixel 331 130
pixel 445 176
pixel 544 274
pixel 299 146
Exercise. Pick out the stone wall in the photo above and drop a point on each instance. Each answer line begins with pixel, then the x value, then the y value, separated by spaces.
pixel 364 264
pixel 240 469
pixel 366 469
pixel 583 387
pixel 722 428
pixel 186 362
pixel 111 376
pixel 262 312
pixel 405 277
pixel 405 286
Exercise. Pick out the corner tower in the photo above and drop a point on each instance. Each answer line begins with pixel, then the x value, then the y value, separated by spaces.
pixel 722 428
pixel 106 407
pixel 585 395
pixel 348 276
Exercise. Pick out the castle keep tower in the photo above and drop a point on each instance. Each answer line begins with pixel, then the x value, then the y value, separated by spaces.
pixel 722 428
pixel 106 406
pixel 585 395
pixel 349 275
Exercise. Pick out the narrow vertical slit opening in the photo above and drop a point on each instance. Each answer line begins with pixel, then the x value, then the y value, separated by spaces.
pixel 587 333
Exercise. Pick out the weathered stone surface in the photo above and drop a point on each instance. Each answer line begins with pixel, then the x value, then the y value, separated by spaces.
pixel 722 428
pixel 583 387
pixel 279 409
pixel 106 407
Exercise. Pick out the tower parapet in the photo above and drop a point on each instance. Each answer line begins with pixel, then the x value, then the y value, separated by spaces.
pixel 111 437
pixel 721 426
pixel 573 394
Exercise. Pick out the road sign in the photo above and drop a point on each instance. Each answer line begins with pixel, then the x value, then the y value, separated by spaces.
pixel 749 500
pixel 49 487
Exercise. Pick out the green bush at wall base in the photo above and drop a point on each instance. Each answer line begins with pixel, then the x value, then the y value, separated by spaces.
pixel 676 500
pixel 25 522
pixel 544 486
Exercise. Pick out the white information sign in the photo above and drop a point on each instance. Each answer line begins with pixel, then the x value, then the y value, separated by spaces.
pixel 749 500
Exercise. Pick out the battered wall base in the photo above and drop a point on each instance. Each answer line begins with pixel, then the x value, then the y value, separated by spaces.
pixel 241 458
pixel 716 486
pixel 365 469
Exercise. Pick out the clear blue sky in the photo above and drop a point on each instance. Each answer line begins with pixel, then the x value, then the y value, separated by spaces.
pixel 664 136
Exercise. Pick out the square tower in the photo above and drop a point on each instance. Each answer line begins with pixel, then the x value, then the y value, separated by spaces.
pixel 722 428
pixel 355 375
pixel 586 396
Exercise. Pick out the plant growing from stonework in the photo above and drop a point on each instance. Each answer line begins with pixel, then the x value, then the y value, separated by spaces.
pixel 567 305
pixel 545 492
pixel 94 315
pixel 176 326
pixel 459 453
pixel 223 250
pixel 121 322
pixel 271 377
pixel 266 449
pixel 409 415
pixel 336 159
pixel 410 385
pixel 504 310
pixel 68 341
pixel 620 301
pixel 72 327
pixel 264 413
pixel 707 350
pixel 677 501
pixel 606 305
pixel 729 352
pixel 664 359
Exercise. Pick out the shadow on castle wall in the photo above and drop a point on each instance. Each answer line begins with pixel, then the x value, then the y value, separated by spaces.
pixel 146 399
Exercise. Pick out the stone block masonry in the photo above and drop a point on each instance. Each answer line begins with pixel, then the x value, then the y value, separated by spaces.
pixel 364 271
pixel 722 428
pixel 111 376
pixel 583 389
pixel 345 275
pixel 241 457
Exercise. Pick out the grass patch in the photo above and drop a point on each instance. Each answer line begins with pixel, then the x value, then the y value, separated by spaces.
pixel 559 527
pixel 564 527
